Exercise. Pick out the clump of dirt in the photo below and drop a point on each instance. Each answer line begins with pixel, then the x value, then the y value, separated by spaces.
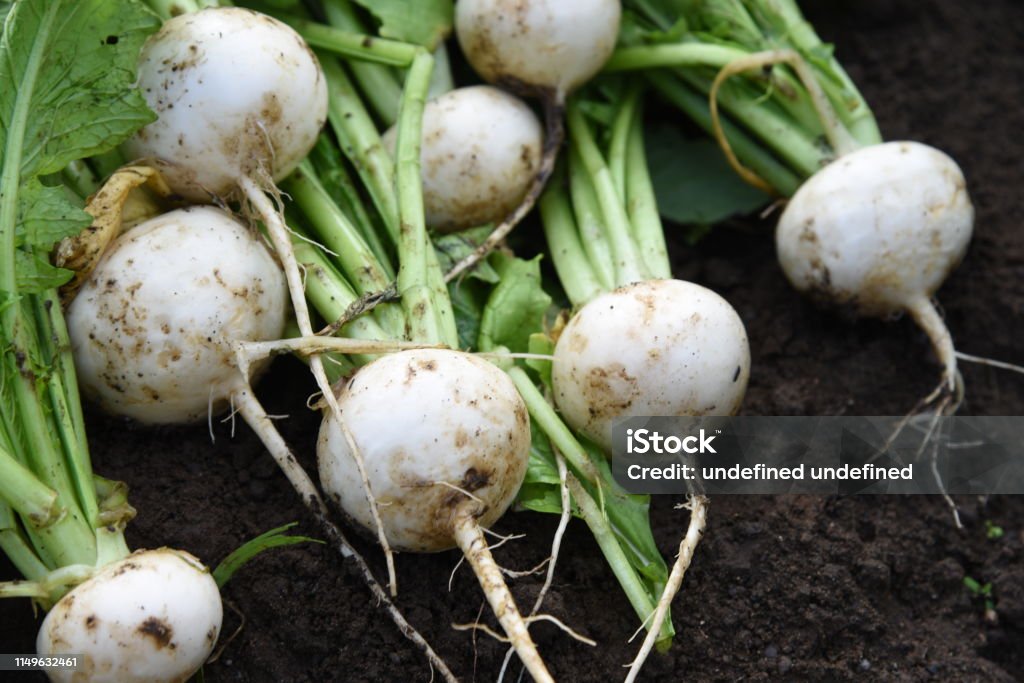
pixel 794 588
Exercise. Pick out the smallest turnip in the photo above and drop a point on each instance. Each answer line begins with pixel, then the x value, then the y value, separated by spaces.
pixel 481 150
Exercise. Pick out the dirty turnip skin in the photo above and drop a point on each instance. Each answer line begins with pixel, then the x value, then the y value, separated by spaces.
pixel 420 417
pixel 153 616
pixel 481 149
pixel 152 329
pixel 235 91
pixel 540 45
pixel 661 347
pixel 877 230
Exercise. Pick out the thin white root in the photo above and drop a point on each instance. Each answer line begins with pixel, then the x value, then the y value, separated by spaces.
pixel 280 237
pixel 562 625
pixel 698 520
pixel 471 541
pixel 249 352
pixel 536 569
pixel 981 360
pixel 556 546
pixel 357 455
pixel 252 412
pixel 477 626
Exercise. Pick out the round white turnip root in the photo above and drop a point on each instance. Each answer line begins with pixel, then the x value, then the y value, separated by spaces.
pixel 481 150
pixel 153 616
pixel 153 327
pixel 660 347
pixel 446 438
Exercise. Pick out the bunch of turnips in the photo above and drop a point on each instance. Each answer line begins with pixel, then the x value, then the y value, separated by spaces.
pixel 306 178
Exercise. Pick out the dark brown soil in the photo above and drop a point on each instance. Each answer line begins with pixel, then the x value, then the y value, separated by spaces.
pixel 793 588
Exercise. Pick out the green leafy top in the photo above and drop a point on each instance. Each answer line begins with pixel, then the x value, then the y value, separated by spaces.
pixel 72 66
pixel 425 22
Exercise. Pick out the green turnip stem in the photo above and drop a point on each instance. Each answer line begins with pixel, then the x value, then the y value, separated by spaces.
pixel 796 148
pixel 776 131
pixel 378 83
pixel 839 138
pixel 16 547
pixel 66 403
pixel 853 109
pixel 335 231
pixel 576 273
pixel 627 108
pixel 750 152
pixel 413 242
pixel 552 425
pixel 327 291
pixel 646 57
pixel 69 540
pixel 685 57
pixel 642 205
pixel 422 306
pixel 628 265
pixel 687 547
pixel 606 539
pixel 354 45
pixel 470 539
pixel 20 488
pixel 80 177
pixel 334 174
pixel 359 140
pixel 52 584
pixel 353 255
pixel 589 221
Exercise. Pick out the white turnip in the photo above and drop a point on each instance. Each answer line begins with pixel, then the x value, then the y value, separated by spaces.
pixel 481 150
pixel 152 616
pixel 543 46
pixel 446 439
pixel 238 94
pixel 878 231
pixel 152 329
pixel 660 347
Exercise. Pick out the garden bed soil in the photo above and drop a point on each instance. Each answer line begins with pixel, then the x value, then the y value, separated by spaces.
pixel 791 588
